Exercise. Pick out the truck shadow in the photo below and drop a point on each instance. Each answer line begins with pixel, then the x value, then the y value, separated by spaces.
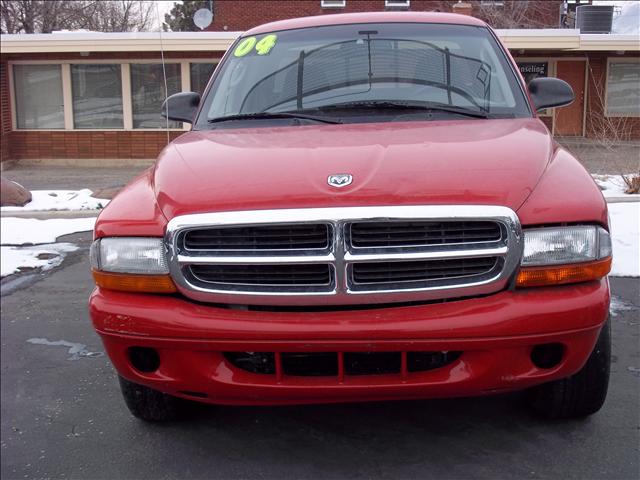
pixel 363 437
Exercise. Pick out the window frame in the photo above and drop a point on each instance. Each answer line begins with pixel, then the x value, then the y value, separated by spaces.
pixel 187 86
pixel 69 87
pixel 397 3
pixel 127 101
pixel 611 60
pixel 180 89
pixel 333 3
pixel 13 103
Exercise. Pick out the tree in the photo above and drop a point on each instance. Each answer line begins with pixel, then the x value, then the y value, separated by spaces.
pixel 180 18
pixel 46 16
pixel 122 16
pixel 520 13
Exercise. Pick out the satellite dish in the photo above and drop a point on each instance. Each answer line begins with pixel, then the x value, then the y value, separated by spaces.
pixel 203 18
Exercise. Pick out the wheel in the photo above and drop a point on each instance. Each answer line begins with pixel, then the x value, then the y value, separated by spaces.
pixel 581 394
pixel 148 404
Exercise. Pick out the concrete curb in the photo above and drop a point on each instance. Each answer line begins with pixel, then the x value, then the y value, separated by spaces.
pixel 47 214
pixel 623 199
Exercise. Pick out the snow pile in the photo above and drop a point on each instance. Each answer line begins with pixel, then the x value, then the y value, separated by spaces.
pixel 625 235
pixel 613 186
pixel 15 233
pixel 60 200
pixel 22 231
pixel 44 257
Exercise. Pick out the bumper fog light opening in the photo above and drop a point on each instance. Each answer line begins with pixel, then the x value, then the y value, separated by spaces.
pixel 547 355
pixel 144 359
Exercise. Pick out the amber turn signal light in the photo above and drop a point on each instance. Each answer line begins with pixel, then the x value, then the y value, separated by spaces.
pixel 563 274
pixel 134 282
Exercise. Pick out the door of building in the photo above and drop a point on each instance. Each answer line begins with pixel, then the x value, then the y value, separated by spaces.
pixel 569 120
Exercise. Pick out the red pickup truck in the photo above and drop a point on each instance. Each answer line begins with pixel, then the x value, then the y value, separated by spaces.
pixel 366 208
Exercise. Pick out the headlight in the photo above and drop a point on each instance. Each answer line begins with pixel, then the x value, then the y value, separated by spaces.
pixel 554 246
pixel 132 264
pixel 129 255
pixel 559 255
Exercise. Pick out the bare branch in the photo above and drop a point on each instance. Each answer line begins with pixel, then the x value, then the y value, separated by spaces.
pixel 45 16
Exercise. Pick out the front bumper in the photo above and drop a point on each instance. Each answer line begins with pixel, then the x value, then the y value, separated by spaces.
pixel 496 335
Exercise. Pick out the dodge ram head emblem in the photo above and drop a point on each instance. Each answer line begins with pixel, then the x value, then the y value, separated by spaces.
pixel 340 180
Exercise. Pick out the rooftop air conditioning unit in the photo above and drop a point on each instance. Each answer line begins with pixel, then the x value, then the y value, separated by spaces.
pixel 594 18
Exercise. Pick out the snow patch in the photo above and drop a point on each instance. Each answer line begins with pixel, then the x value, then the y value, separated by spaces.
pixel 21 231
pixel 60 200
pixel 13 259
pixel 625 237
pixel 76 350
pixel 619 305
pixel 613 186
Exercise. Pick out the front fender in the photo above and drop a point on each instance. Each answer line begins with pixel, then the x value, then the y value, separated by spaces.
pixel 565 194
pixel 133 211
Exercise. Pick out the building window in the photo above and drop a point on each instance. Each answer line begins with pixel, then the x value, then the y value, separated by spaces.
pixel 623 89
pixel 397 3
pixel 532 70
pixel 333 3
pixel 492 3
pixel 97 96
pixel 200 74
pixel 38 96
pixel 148 93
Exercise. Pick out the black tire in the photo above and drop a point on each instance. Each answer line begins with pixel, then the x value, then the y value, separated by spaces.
pixel 581 394
pixel 148 404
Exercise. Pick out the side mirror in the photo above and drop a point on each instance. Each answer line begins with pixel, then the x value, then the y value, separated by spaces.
pixel 547 92
pixel 181 107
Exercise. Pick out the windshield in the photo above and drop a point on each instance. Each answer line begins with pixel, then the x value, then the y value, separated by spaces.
pixel 336 68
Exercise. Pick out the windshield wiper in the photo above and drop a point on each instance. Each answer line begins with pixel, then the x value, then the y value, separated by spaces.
pixel 389 105
pixel 271 115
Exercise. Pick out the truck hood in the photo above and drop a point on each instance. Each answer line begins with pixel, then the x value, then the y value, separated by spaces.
pixel 482 162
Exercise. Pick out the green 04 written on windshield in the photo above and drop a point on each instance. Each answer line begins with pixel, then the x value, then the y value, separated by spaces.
pixel 346 73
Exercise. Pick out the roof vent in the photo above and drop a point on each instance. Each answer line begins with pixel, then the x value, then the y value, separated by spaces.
pixel 594 18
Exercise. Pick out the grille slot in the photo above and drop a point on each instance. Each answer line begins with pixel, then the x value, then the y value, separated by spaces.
pixel 372 363
pixel 319 364
pixel 422 233
pixel 259 238
pixel 264 275
pixel 398 272
pixel 327 364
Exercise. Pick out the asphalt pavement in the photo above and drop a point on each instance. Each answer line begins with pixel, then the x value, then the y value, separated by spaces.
pixel 63 416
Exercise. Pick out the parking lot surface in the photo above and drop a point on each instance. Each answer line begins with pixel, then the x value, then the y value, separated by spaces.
pixel 63 417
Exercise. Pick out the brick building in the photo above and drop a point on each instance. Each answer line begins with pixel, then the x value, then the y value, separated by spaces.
pixel 234 15
pixel 92 98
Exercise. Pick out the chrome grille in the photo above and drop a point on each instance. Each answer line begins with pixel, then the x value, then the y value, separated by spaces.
pixel 264 275
pixel 422 272
pixel 250 238
pixel 344 256
pixel 418 234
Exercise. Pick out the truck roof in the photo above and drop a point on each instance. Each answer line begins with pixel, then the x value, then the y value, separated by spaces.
pixel 367 17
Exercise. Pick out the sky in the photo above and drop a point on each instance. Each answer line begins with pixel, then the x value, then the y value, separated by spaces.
pixel 162 7
pixel 626 18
